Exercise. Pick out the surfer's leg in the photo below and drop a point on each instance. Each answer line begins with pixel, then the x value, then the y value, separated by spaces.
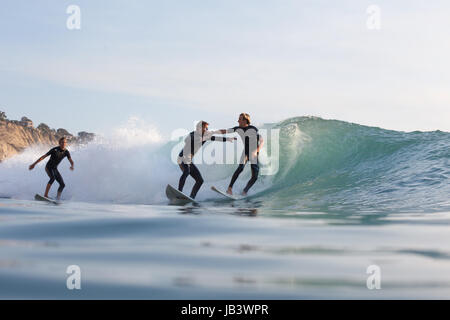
pixel 51 175
pixel 195 173
pixel 186 171
pixel 47 189
pixel 238 171
pixel 236 174
pixel 60 180
pixel 251 182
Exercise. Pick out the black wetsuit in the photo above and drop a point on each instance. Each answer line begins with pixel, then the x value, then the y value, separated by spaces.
pixel 250 137
pixel 56 156
pixel 190 168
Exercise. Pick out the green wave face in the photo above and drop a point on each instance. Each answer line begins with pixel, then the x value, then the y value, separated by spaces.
pixel 331 165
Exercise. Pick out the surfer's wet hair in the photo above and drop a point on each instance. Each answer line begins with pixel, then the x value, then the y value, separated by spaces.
pixel 246 117
pixel 201 124
pixel 62 139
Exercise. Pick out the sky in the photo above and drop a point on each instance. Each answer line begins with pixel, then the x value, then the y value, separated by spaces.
pixel 170 63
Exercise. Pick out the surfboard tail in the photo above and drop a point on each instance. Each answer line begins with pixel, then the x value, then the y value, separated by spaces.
pixel 177 197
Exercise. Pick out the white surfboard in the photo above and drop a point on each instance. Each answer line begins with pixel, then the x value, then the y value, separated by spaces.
pixel 42 198
pixel 177 197
pixel 231 197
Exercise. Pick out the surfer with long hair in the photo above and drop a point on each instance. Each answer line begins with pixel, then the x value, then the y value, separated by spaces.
pixel 253 143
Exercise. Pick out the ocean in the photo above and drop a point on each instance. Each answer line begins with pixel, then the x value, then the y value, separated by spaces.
pixel 350 212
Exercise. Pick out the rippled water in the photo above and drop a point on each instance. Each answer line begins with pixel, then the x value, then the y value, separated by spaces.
pixel 219 250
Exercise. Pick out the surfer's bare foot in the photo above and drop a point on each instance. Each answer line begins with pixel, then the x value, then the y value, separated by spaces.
pixel 230 191
pixel 244 193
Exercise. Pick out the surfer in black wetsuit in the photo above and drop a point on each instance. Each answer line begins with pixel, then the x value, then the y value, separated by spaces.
pixel 192 144
pixel 57 154
pixel 253 143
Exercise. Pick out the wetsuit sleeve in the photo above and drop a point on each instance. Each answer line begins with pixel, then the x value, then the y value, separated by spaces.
pixel 214 138
pixel 257 132
pixel 68 154
pixel 50 152
pixel 207 136
pixel 188 147
pixel 258 136
pixel 231 130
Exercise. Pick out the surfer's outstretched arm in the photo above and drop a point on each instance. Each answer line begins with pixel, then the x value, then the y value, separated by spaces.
pixel 223 139
pixel 31 167
pixel 224 131
pixel 210 135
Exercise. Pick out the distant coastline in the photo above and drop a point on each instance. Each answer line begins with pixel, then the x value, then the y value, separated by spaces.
pixel 17 135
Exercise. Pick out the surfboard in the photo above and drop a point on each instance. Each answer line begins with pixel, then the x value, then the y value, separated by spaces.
pixel 177 197
pixel 231 197
pixel 38 197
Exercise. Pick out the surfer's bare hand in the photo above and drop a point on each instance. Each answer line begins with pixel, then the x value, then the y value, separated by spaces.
pixel 71 168
pixel 231 139
pixel 31 167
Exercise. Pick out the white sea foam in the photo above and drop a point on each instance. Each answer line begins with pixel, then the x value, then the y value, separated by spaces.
pixel 132 164
pixel 117 167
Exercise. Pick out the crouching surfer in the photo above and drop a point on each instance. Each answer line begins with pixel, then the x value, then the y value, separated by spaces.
pixel 192 144
pixel 57 154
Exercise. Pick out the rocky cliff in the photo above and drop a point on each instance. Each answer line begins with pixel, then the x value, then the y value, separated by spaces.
pixel 15 136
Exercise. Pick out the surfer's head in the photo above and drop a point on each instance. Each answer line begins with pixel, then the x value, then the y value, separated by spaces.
pixel 63 142
pixel 244 119
pixel 202 126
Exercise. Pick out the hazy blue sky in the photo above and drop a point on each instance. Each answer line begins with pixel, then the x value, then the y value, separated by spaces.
pixel 172 62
